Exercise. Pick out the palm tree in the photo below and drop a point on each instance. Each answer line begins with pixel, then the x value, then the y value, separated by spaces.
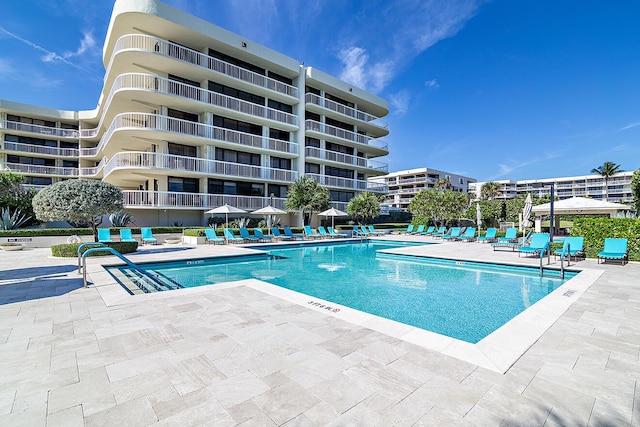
pixel 607 170
pixel 308 196
pixel 490 190
pixel 442 184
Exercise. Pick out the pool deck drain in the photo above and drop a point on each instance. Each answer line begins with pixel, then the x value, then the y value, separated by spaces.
pixel 235 354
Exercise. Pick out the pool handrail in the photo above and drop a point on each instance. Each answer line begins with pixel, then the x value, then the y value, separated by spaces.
pixel 84 245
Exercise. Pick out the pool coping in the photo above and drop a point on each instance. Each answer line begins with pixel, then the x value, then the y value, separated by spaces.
pixel 497 352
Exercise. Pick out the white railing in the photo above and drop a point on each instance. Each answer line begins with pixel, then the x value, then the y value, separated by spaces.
pixel 312 98
pixel 345 158
pixel 166 48
pixel 346 134
pixel 351 184
pixel 42 130
pixel 45 170
pixel 93 171
pixel 161 123
pixel 161 161
pixel 168 199
pixel 40 149
pixel 422 179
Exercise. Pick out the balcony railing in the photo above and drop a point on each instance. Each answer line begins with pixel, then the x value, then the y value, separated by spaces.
pixel 166 48
pixel 312 98
pixel 161 123
pixel 42 130
pixel 350 184
pixel 42 170
pixel 160 161
pixel 346 134
pixel 345 159
pixel 40 149
pixel 176 200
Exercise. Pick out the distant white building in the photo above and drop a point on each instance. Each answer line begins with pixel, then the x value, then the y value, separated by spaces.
pixel 618 187
pixel 404 185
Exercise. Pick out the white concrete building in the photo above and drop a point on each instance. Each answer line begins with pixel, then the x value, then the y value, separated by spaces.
pixel 192 116
pixel 593 186
pixel 404 185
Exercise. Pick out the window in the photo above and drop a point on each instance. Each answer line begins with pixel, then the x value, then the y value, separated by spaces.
pixel 183 87
pixel 183 185
pixel 312 142
pixel 236 93
pixel 340 196
pixel 279 134
pixel 277 105
pixel 232 156
pixel 309 89
pixel 32 141
pixel 280 163
pixel 339 100
pixel 183 115
pixel 183 52
pixel 278 190
pixel 311 168
pixel 280 78
pixel 235 61
pixel 37 180
pixel 312 116
pixel 65 144
pixel 239 188
pixel 339 124
pixel 23 160
pixel 232 124
pixel 69 164
pixel 182 150
pixel 31 121
pixel 341 173
pixel 339 148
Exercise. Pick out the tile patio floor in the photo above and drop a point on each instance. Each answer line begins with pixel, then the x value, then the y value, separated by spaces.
pixel 238 356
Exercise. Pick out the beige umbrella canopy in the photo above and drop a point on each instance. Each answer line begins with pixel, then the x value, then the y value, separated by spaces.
pixel 226 209
pixel 268 211
pixel 333 213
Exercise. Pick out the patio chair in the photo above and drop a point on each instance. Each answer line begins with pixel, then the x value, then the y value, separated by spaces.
pixel 512 244
pixel 289 233
pixel 373 231
pixel 441 231
pixel 323 232
pixel 333 233
pixel 571 247
pixel 228 234
pixel 489 236
pixel 212 237
pixel 469 235
pixel 614 249
pixel 146 235
pixel 357 232
pixel 454 234
pixel 429 231
pixel 275 232
pixel 309 233
pixel 126 236
pixel 419 230
pixel 365 231
pixel 408 230
pixel 244 233
pixel 511 235
pixel 104 235
pixel 538 246
pixel 260 235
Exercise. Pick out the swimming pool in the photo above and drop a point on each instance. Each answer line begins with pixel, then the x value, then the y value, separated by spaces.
pixel 462 300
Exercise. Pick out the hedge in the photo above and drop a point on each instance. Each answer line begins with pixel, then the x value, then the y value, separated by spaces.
pixel 199 232
pixel 35 232
pixel 594 231
pixel 70 250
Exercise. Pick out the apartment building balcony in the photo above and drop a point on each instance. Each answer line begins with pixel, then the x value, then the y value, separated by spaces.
pixel 42 150
pixel 374 145
pixel 143 199
pixel 423 179
pixel 348 184
pixel 346 159
pixel 189 132
pixel 368 121
pixel 134 44
pixel 164 164
pixel 38 129
pixel 41 170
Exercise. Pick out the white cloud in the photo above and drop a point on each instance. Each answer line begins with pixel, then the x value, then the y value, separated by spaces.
pixel 432 84
pixel 400 102
pixel 630 126
pixel 508 169
pixel 87 44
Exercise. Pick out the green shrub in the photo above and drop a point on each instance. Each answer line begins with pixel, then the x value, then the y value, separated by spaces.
pixel 594 231
pixel 70 250
pixel 36 232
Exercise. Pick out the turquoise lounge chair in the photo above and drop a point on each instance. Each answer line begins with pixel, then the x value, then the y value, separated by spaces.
pixel 420 230
pixel 441 231
pixel 454 234
pixel 572 247
pixel 614 249
pixel 469 235
pixel 323 232
pixel 146 236
pixel 289 233
pixel 333 233
pixel 228 234
pixel 309 233
pixel 364 230
pixel 260 235
pixel 358 232
pixel 512 244
pixel 374 232
pixel 538 246
pixel 275 232
pixel 244 233
pixel 409 230
pixel 104 235
pixel 429 231
pixel 126 236
pixel 489 236
pixel 212 237
pixel 511 235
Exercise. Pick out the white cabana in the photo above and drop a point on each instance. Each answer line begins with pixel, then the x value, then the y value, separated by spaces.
pixel 580 206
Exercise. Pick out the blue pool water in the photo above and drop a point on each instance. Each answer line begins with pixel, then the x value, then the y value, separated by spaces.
pixel 462 300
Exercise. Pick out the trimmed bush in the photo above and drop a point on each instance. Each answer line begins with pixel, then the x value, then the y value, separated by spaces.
pixel 36 232
pixel 70 250
pixel 594 231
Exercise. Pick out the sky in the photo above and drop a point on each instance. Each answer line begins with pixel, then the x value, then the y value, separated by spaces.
pixel 491 90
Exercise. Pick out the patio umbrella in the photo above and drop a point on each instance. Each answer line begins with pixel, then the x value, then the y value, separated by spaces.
pixel 268 211
pixel 333 213
pixel 226 209
pixel 478 216
pixel 526 212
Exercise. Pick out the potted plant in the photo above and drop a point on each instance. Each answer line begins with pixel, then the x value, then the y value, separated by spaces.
pixel 10 246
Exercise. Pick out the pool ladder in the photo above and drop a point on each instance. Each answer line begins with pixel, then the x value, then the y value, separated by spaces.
pixel 561 260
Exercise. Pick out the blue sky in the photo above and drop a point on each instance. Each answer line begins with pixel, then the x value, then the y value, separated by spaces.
pixel 489 89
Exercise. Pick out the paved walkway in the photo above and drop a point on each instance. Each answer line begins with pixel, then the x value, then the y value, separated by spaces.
pixel 239 356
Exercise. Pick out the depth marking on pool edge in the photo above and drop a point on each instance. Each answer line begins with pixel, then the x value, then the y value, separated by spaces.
pixel 569 292
pixel 323 306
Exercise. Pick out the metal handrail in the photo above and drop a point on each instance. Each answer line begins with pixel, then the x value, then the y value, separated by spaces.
pixel 117 254
pixel 542 253
pixel 85 245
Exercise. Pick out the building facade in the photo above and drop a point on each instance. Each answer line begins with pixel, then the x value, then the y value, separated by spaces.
pixel 404 185
pixel 192 116
pixel 593 186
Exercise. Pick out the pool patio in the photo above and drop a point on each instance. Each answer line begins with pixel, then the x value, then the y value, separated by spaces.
pixel 233 355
